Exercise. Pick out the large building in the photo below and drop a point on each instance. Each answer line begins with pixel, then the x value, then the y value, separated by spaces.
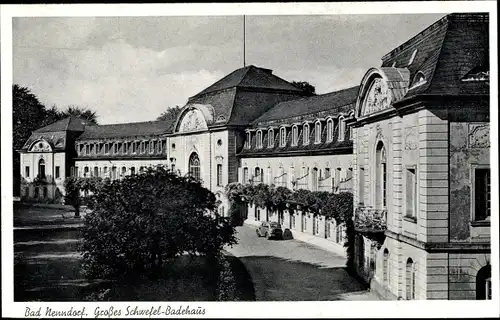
pixel 411 142
pixel 422 165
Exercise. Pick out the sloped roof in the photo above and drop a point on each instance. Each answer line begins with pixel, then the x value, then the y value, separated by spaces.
pixel 66 124
pixel 333 101
pixel 444 53
pixel 131 129
pixel 250 77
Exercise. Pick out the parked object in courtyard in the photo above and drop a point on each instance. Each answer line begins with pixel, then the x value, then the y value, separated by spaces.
pixel 270 230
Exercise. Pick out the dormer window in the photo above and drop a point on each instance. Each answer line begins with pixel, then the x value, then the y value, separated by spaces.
pixel 295 135
pixel 270 138
pixel 248 142
pixel 282 137
pixel 259 139
pixel 329 130
pixel 418 80
pixel 306 133
pixel 341 128
pixel 87 149
pixel 106 148
pixel 124 149
pixel 317 131
pixel 412 58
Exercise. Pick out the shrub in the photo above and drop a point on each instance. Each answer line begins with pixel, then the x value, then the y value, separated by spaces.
pixel 141 220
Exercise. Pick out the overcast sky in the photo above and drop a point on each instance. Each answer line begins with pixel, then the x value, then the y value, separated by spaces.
pixel 132 69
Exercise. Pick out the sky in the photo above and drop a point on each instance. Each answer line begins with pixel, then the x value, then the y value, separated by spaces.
pixel 130 69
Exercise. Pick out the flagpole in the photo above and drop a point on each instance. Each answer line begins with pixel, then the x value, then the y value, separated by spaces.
pixel 244 43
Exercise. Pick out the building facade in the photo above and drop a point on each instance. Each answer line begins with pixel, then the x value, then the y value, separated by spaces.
pixel 421 165
pixel 411 143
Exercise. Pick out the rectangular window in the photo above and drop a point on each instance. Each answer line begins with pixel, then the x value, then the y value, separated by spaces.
pixel 58 172
pixel 411 192
pixel 384 185
pixel 361 185
pixel 27 171
pixel 482 194
pixel 219 175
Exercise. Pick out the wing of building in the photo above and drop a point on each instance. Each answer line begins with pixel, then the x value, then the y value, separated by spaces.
pixel 410 142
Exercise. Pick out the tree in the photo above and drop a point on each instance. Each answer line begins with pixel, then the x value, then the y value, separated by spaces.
pixel 170 115
pixel 306 86
pixel 141 220
pixel 28 115
pixel 80 112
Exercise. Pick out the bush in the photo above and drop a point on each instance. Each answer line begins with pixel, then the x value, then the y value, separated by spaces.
pixel 141 220
pixel 226 283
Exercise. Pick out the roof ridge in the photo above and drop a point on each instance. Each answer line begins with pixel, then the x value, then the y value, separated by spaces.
pixel 125 123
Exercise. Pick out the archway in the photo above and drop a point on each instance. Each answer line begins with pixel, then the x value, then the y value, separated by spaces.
pixel 483 283
pixel 410 279
pixel 194 166
pixel 386 267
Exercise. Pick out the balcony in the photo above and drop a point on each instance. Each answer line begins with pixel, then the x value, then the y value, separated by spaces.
pixel 369 220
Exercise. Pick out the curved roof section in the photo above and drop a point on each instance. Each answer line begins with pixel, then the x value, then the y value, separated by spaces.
pixel 250 77
pixel 446 52
pixel 245 94
pixel 335 102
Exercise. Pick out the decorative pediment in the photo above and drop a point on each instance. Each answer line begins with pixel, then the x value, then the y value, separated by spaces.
pixel 40 146
pixel 377 97
pixel 193 120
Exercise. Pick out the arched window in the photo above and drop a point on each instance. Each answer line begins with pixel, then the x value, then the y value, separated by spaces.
pixel 86 171
pixel 105 171
pixel 282 137
pixel 386 267
pixel 248 142
pixel 306 133
pixel 329 130
pixel 270 138
pixel 245 175
pixel 96 171
pixel 381 177
pixel 259 139
pixel 257 177
pixel 483 283
pixel 269 175
pixel 410 279
pixel 124 171
pixel 132 170
pixel 41 168
pixel 341 128
pixel 194 166
pixel 317 132
pixel 314 179
pixel 295 135
pixel 282 177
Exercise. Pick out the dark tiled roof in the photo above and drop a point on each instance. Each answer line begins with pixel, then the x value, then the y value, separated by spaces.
pixel 245 94
pixel 333 103
pixel 334 146
pixel 445 52
pixel 66 124
pixel 250 77
pixel 122 130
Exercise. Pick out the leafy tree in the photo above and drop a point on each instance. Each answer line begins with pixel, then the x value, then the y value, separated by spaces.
pixel 306 86
pixel 88 115
pixel 170 115
pixel 28 114
pixel 141 220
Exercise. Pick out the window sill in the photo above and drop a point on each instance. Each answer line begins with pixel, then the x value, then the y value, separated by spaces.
pixel 481 223
pixel 410 219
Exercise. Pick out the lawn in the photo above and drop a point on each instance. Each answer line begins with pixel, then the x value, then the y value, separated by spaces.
pixel 47 267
